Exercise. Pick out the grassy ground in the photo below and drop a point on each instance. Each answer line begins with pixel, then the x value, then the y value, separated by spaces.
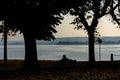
pixel 103 71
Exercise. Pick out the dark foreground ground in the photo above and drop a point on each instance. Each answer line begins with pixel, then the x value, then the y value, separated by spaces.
pixel 81 71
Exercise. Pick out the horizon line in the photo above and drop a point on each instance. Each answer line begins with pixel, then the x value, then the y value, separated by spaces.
pixel 84 36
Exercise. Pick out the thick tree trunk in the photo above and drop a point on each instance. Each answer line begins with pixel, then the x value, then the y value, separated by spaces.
pixel 91 36
pixel 91 48
pixel 31 60
pixel 5 47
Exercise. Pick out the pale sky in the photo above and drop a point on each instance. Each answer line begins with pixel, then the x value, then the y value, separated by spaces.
pixel 105 27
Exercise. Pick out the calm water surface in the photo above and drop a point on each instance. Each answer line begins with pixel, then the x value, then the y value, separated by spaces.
pixel 55 52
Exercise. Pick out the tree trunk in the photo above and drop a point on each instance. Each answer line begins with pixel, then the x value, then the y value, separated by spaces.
pixel 31 60
pixel 91 36
pixel 5 47
pixel 91 48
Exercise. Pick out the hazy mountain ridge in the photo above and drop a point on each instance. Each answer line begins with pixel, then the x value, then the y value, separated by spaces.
pixel 81 40
pixel 69 40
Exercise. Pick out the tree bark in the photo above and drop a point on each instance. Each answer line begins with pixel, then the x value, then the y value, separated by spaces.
pixel 91 36
pixel 31 60
pixel 5 47
pixel 91 47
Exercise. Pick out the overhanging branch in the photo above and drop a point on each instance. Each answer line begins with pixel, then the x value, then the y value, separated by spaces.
pixel 114 17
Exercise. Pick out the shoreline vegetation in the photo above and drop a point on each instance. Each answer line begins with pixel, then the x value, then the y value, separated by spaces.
pixel 105 70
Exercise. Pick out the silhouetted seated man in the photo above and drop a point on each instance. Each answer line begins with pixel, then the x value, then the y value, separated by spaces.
pixel 64 58
pixel 66 61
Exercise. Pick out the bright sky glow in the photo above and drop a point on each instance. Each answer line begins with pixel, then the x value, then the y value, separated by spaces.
pixel 105 27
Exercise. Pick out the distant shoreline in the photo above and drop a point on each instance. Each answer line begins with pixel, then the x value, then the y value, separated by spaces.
pixel 69 41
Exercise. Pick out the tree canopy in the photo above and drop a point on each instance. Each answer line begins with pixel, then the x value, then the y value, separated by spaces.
pixel 87 17
pixel 37 19
pixel 31 16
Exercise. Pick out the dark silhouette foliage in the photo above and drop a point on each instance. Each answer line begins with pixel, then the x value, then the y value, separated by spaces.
pixel 87 17
pixel 88 13
pixel 115 11
pixel 37 19
pixel 34 19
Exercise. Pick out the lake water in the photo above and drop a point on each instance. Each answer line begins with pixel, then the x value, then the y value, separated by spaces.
pixel 55 52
